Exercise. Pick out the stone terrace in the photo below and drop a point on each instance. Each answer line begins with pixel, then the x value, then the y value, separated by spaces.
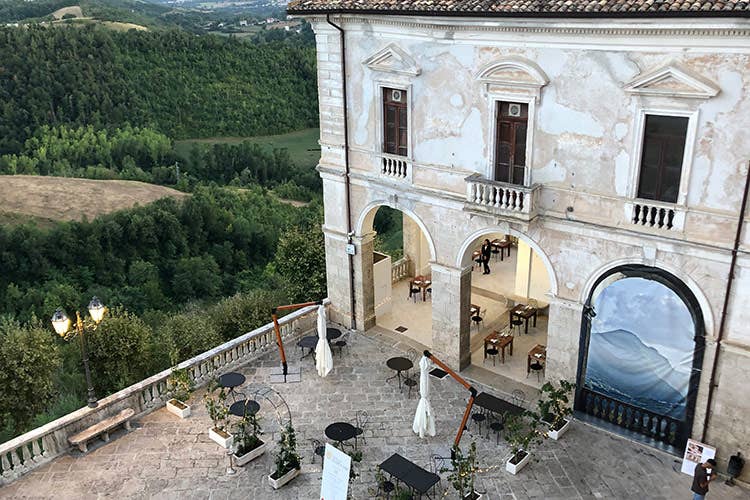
pixel 164 457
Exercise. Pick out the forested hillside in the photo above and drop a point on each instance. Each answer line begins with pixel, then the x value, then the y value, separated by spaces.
pixel 180 84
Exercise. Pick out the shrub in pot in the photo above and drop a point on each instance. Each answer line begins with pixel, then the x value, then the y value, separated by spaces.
pixel 247 438
pixel 463 472
pixel 219 414
pixel 554 407
pixel 522 433
pixel 287 459
pixel 180 387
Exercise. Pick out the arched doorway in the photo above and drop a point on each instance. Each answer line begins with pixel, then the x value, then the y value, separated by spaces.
pixel 402 252
pixel 509 306
pixel 642 340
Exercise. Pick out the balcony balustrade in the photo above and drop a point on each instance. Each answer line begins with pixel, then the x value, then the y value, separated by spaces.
pixel 499 198
pixel 656 215
pixel 394 167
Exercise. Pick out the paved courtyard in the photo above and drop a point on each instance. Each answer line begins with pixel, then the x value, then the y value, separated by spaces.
pixel 164 457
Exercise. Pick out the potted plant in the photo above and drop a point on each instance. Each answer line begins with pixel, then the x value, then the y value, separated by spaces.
pixel 219 414
pixel 287 460
pixel 555 406
pixel 521 433
pixel 180 387
pixel 249 444
pixel 463 472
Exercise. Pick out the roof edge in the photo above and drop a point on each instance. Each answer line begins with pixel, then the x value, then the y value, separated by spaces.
pixel 527 15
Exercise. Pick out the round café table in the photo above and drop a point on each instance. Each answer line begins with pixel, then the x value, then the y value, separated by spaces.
pixel 244 407
pixel 399 364
pixel 340 432
pixel 309 342
pixel 230 381
pixel 332 333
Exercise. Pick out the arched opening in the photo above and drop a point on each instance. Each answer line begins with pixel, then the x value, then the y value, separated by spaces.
pixel 642 340
pixel 401 277
pixel 509 307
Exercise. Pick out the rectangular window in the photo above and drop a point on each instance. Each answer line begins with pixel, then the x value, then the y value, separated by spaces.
pixel 395 130
pixel 661 160
pixel 510 142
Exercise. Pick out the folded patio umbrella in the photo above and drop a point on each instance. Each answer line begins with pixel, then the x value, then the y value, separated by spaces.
pixel 424 420
pixel 323 355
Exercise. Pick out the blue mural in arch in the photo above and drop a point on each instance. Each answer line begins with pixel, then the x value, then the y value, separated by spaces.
pixel 641 346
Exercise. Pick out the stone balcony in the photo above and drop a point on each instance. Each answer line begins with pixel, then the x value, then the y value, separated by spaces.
pixel 501 199
pixel 655 216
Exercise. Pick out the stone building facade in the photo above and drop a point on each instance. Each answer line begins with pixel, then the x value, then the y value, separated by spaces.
pixel 588 89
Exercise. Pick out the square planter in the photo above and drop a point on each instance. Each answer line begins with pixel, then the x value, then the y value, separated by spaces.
pixel 220 437
pixel 278 483
pixel 250 455
pixel 178 408
pixel 557 434
pixel 514 468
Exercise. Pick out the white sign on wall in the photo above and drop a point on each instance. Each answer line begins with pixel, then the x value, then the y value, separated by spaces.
pixel 696 453
pixel 336 466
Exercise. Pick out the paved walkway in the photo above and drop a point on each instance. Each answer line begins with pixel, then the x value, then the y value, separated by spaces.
pixel 164 457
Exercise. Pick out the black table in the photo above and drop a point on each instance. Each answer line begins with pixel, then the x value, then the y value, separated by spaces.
pixel 409 473
pixel 309 342
pixel 497 405
pixel 333 333
pixel 399 364
pixel 340 432
pixel 230 381
pixel 244 407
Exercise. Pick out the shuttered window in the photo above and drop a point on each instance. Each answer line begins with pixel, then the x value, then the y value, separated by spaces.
pixel 395 131
pixel 661 159
pixel 510 142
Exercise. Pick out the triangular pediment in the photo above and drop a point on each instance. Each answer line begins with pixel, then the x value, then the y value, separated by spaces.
pixel 392 59
pixel 672 81
pixel 514 71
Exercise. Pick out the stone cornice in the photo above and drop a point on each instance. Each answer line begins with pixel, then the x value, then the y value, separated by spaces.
pixel 641 28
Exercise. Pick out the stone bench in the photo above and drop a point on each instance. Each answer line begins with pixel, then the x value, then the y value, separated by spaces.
pixel 101 428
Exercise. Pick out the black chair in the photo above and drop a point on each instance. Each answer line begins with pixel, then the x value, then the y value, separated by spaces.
pixel 414 291
pixel 429 292
pixel 319 449
pixel 497 427
pixel 495 251
pixel 491 352
pixel 518 397
pixel 361 418
pixel 386 487
pixel 516 323
pixel 479 417
pixel 538 368
pixel 341 342
pixel 477 318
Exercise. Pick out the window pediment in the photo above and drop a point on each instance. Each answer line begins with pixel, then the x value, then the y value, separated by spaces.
pixel 672 81
pixel 513 72
pixel 392 59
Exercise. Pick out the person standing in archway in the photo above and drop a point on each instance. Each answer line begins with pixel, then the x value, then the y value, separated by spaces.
pixel 486 253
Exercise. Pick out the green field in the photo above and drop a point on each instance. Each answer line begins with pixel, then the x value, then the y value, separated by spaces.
pixel 302 145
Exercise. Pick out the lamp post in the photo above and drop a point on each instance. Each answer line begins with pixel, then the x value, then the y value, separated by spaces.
pixel 61 323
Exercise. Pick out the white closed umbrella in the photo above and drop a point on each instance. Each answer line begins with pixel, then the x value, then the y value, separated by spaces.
pixel 424 420
pixel 323 355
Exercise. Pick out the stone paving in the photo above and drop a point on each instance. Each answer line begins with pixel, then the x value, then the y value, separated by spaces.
pixel 164 457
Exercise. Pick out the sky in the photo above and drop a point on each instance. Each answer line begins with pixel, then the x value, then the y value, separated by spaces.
pixel 653 312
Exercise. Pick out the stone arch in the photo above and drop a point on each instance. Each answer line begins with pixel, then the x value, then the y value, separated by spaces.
pixel 367 216
pixel 463 259
pixel 705 306
pixel 646 412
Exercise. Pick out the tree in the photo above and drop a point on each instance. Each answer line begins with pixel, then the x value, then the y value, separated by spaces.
pixel 30 359
pixel 300 258
pixel 119 351
pixel 196 277
pixel 183 336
